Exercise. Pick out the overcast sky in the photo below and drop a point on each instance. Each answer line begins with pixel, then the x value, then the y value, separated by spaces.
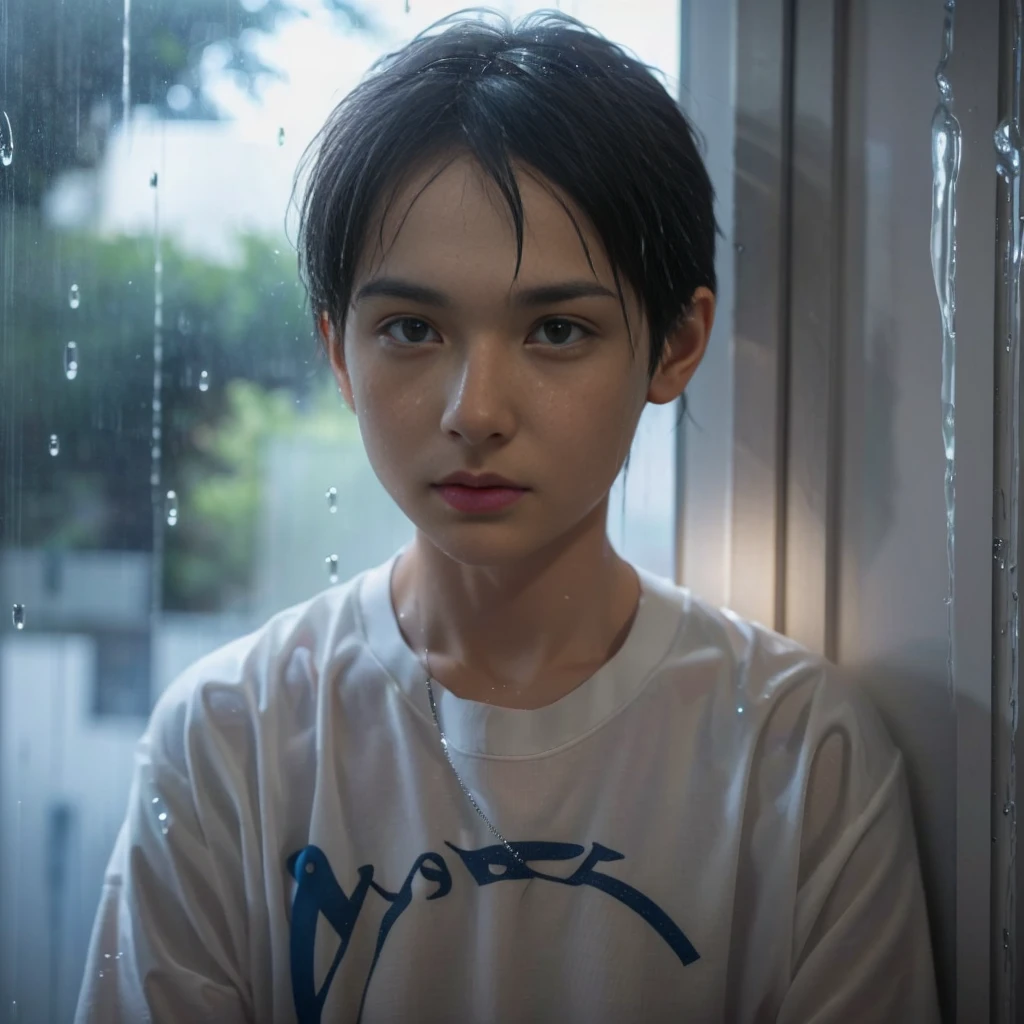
pixel 217 178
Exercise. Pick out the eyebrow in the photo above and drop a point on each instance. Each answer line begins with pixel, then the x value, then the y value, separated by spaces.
pixel 541 296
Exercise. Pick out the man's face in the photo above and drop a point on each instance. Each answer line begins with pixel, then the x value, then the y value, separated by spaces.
pixel 544 394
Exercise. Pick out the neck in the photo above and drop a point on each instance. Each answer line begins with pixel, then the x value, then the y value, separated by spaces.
pixel 520 633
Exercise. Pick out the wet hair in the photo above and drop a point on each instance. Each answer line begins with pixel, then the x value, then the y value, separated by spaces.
pixel 549 93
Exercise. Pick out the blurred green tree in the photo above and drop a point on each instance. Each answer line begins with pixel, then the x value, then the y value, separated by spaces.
pixel 247 322
pixel 63 93
pixel 212 550
pixel 246 326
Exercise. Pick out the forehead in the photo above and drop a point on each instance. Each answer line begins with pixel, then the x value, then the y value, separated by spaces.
pixel 452 217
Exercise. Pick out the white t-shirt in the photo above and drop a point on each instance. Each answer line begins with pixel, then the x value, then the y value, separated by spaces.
pixel 713 827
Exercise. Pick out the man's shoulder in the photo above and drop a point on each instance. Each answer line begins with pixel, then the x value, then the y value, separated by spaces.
pixel 253 674
pixel 776 681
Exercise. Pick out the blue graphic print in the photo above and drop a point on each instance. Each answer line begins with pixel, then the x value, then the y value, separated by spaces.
pixel 318 892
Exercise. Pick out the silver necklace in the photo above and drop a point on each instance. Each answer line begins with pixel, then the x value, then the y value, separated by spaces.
pixel 448 755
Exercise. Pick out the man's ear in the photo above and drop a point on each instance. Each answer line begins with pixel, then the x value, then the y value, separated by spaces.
pixel 684 349
pixel 335 346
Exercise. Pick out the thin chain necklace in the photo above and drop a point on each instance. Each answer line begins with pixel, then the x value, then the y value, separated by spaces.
pixel 448 755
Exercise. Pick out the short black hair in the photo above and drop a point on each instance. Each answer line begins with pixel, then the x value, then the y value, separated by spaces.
pixel 548 92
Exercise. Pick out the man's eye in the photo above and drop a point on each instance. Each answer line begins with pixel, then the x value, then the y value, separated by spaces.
pixel 561 337
pixel 555 333
pixel 412 330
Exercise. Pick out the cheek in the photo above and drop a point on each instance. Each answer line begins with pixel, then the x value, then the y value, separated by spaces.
pixel 587 438
pixel 391 427
pixel 616 422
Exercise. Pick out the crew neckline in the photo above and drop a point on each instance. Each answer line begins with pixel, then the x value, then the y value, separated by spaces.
pixel 472 727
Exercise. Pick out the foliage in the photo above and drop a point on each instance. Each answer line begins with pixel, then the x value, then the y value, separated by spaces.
pixel 63 92
pixel 246 326
pixel 212 550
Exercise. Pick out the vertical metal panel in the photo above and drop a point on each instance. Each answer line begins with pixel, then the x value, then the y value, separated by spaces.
pixel 893 580
pixel 863 418
pixel 812 455
pixel 974 73
pixel 1006 938
pixel 763 63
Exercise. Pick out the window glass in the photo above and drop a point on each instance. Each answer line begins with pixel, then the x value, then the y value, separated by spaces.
pixel 176 464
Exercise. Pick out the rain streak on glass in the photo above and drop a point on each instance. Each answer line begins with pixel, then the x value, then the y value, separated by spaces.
pixel 280 136
pixel 6 140
pixel 946 142
pixel 204 381
pixel 74 299
pixel 332 499
pixel 332 568
pixel 172 508
pixel 54 445
pixel 71 360
pixel 18 616
pixel 126 62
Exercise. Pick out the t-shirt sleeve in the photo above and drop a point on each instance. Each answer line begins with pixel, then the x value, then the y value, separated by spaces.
pixel 861 944
pixel 169 934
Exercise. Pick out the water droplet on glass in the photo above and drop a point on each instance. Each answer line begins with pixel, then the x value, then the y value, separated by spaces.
pixel 71 360
pixel 204 381
pixel 332 568
pixel 153 179
pixel 280 136
pixel 172 508
pixel 6 140
pixel 332 499
pixel 73 297
pixel 999 552
pixel 54 444
pixel 1008 150
pixel 18 616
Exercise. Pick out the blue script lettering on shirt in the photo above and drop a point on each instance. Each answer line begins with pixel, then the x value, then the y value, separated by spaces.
pixel 318 892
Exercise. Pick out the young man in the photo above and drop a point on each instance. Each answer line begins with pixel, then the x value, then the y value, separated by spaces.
pixel 508 776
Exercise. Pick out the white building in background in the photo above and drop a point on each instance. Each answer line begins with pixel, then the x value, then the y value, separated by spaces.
pixel 214 181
